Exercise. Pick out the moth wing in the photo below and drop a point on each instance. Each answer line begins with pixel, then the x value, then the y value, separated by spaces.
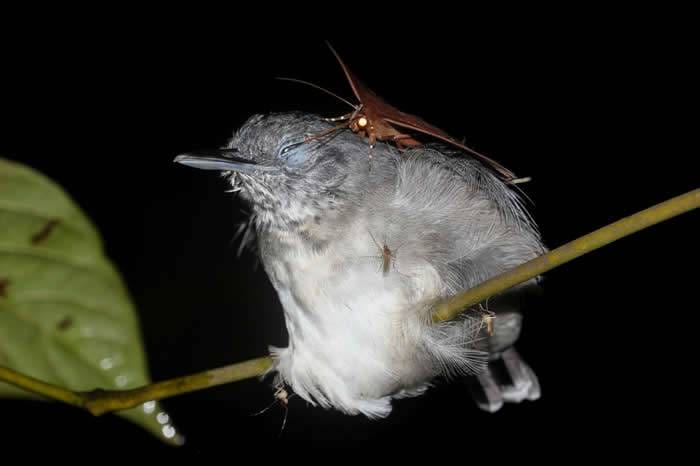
pixel 378 108
pixel 417 124
pixel 352 79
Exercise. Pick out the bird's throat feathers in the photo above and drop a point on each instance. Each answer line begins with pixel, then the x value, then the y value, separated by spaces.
pixel 301 219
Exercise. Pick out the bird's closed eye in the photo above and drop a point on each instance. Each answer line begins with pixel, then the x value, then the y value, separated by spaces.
pixel 290 147
pixel 293 156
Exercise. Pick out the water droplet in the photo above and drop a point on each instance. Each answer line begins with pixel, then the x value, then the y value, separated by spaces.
pixel 163 418
pixel 107 363
pixel 121 380
pixel 149 407
pixel 169 431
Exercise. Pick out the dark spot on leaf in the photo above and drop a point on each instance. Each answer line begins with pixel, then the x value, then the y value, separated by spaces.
pixel 66 323
pixel 4 283
pixel 44 233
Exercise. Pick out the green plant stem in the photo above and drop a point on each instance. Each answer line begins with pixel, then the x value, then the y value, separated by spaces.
pixel 450 308
pixel 103 401
pixel 38 387
pixel 99 402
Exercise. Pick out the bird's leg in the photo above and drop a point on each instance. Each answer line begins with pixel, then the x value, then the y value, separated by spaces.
pixel 525 385
pixel 491 391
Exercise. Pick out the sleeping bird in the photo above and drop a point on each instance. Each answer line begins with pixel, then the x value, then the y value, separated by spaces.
pixel 359 253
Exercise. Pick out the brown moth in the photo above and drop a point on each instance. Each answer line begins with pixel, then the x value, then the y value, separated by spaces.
pixel 377 120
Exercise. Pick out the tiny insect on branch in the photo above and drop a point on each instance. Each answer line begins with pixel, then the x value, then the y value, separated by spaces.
pixel 99 402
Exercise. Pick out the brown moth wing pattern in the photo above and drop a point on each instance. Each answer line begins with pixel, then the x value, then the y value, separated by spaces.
pixel 509 175
pixel 381 116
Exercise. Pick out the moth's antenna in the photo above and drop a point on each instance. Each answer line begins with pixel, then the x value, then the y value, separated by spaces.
pixel 316 86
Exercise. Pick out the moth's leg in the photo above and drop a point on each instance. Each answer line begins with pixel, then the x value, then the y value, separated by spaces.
pixel 404 140
pixel 347 116
pixel 524 179
pixel 372 137
pixel 325 133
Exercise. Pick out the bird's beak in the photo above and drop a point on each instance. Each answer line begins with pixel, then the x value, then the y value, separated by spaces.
pixel 223 160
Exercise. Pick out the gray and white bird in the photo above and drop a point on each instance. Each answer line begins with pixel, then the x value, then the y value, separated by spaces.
pixel 358 253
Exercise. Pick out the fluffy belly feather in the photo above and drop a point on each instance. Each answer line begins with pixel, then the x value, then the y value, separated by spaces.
pixel 345 323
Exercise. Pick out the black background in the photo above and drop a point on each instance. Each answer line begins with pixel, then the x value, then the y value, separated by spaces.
pixel 603 124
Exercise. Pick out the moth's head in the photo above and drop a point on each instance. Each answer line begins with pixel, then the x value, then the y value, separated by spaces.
pixel 290 165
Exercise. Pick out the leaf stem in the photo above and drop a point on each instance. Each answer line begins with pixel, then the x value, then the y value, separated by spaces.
pixel 99 402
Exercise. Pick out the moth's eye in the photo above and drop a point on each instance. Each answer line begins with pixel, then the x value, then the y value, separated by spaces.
pixel 362 122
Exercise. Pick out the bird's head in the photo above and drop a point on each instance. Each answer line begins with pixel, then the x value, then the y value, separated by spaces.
pixel 293 167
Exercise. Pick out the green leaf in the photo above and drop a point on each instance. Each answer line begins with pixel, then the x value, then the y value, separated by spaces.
pixel 65 314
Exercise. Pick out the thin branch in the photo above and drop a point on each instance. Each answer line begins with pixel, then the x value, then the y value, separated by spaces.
pixel 103 401
pixel 38 387
pixel 99 402
pixel 450 308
